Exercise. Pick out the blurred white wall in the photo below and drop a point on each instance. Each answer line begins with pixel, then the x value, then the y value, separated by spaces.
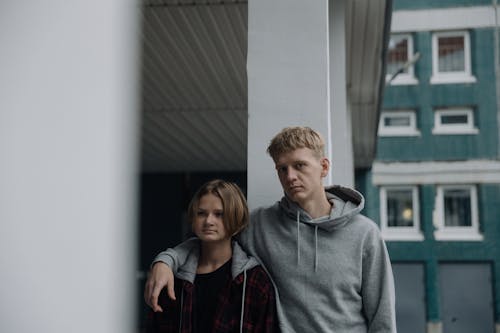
pixel 68 122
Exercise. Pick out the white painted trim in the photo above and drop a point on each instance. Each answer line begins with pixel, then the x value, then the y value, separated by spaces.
pixel 432 19
pixel 449 131
pixel 457 235
pixel 452 78
pixel 464 76
pixel 403 235
pixel 412 233
pixel 466 128
pixel 443 232
pixel 410 130
pixel 437 172
pixel 404 78
pixel 434 327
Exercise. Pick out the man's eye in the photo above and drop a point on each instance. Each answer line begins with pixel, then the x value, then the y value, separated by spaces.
pixel 299 165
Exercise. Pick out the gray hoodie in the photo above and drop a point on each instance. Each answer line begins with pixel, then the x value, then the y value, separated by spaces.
pixel 332 273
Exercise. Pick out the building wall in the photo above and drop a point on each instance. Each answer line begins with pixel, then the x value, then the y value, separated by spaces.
pixel 480 258
pixel 424 97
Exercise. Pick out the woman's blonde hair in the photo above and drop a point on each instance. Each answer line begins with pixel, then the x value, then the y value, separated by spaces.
pixel 234 205
pixel 291 138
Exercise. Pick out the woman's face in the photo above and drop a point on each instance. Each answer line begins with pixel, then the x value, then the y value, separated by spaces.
pixel 208 220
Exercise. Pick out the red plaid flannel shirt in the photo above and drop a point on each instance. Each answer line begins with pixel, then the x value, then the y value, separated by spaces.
pixel 259 315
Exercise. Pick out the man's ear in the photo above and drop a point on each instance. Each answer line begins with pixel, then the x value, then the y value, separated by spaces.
pixel 325 166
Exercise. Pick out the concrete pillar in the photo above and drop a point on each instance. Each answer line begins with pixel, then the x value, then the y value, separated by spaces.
pixel 341 144
pixel 289 84
pixel 68 149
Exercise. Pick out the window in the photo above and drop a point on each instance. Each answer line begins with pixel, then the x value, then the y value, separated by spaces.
pixel 454 121
pixel 400 53
pixel 456 214
pixel 399 213
pixel 451 58
pixel 398 123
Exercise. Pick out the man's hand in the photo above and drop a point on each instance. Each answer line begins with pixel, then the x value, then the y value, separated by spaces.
pixel 160 276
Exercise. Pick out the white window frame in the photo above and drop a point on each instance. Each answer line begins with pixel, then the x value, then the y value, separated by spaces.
pixel 444 232
pixel 412 233
pixel 409 77
pixel 410 130
pixel 464 76
pixel 467 128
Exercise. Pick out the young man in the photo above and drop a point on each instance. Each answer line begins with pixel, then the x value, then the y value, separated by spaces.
pixel 329 263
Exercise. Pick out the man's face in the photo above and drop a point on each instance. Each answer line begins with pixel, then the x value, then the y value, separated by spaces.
pixel 300 172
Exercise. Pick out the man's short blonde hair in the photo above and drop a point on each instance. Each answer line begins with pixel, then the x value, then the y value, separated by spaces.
pixel 291 138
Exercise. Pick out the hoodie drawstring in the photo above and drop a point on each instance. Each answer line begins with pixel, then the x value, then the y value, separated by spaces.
pixel 298 237
pixel 315 247
pixel 182 304
pixel 243 300
pixel 315 242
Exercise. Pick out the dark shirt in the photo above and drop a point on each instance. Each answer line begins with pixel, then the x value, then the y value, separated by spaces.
pixel 208 288
pixel 259 312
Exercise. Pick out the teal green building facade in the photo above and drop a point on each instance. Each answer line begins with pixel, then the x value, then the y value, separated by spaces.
pixel 434 187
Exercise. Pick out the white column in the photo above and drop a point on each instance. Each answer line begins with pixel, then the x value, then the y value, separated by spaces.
pixel 341 144
pixel 289 85
pixel 68 166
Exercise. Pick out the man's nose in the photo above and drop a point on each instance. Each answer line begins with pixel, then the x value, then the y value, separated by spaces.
pixel 291 174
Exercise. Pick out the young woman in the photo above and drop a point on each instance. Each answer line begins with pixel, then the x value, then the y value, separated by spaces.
pixel 219 288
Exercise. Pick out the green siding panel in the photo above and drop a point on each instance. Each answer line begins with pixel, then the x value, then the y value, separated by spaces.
pixel 425 98
pixel 432 4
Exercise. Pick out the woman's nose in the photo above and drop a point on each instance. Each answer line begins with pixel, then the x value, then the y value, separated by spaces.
pixel 210 219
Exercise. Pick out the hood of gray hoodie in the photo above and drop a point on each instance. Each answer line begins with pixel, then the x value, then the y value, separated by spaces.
pixel 240 261
pixel 346 203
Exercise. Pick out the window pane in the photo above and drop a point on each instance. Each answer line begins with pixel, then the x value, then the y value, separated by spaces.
pixel 454 119
pixel 451 54
pixel 399 208
pixel 398 54
pixel 457 208
pixel 397 121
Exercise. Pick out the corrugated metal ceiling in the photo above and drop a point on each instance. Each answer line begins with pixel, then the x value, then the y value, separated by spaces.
pixel 194 83
pixel 367 25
